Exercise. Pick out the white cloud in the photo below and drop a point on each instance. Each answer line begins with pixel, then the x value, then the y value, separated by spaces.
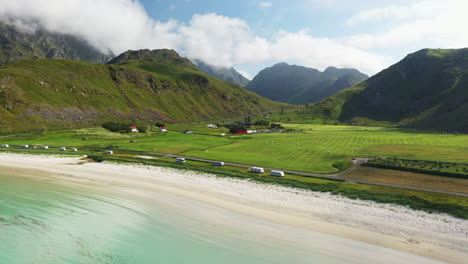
pixel 265 4
pixel 120 25
pixel 426 24
pixel 107 24
pixel 222 41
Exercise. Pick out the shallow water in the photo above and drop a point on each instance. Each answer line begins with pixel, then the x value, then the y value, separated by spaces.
pixel 42 222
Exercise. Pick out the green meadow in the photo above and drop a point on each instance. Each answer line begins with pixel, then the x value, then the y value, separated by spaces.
pixel 312 148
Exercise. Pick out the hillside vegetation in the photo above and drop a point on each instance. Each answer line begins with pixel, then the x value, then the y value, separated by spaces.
pixel 426 90
pixel 42 94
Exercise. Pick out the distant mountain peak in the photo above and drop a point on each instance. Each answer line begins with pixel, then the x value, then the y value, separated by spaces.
pixel 228 74
pixel 299 84
pixel 163 56
pixel 22 44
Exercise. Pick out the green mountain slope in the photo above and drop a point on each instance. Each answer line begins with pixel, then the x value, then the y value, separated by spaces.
pixel 15 44
pixel 299 85
pixel 38 94
pixel 161 56
pixel 228 74
pixel 426 90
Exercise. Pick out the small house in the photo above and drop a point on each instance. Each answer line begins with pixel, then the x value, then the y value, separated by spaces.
pixel 180 160
pixel 218 163
pixel 5 146
pixel 134 129
pixel 109 152
pixel 277 173
pixel 251 131
pixel 212 126
pixel 74 149
pixel 238 131
pixel 163 129
pixel 257 170
pixel 62 148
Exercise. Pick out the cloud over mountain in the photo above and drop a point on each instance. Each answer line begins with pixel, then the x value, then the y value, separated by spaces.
pixel 120 25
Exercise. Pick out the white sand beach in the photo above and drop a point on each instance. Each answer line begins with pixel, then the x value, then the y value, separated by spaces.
pixel 362 231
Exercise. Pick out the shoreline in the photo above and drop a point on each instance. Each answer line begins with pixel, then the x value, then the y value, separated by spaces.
pixel 436 236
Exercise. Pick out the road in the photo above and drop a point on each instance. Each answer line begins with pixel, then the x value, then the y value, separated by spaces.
pixel 335 176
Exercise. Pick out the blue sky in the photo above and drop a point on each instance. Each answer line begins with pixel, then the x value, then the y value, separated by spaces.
pixel 322 19
pixel 250 35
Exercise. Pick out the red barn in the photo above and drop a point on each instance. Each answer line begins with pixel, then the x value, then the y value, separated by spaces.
pixel 238 131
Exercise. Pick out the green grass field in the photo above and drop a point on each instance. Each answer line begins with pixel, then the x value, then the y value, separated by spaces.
pixel 317 147
pixel 314 148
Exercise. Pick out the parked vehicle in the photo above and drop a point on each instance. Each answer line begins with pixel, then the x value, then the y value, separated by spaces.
pixel 277 173
pixel 218 163
pixel 257 170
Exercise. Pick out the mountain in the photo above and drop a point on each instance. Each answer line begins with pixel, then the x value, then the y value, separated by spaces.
pixel 158 86
pixel 299 85
pixel 161 56
pixel 426 90
pixel 228 74
pixel 15 44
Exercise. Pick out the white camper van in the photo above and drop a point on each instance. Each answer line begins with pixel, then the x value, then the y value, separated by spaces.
pixel 277 173
pixel 257 170
pixel 180 160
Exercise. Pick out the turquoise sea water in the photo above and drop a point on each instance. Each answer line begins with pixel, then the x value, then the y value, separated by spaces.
pixel 45 223
pixel 42 222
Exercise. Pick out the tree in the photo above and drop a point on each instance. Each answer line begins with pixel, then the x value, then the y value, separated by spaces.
pixel 117 127
pixel 262 123
pixel 142 128
pixel 159 124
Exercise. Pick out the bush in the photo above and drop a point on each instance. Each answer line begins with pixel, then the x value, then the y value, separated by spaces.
pixel 97 158
pixel 117 127
pixel 110 147
pixel 342 165
pixel 159 124
pixel 142 128
pixel 276 126
pixel 262 123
